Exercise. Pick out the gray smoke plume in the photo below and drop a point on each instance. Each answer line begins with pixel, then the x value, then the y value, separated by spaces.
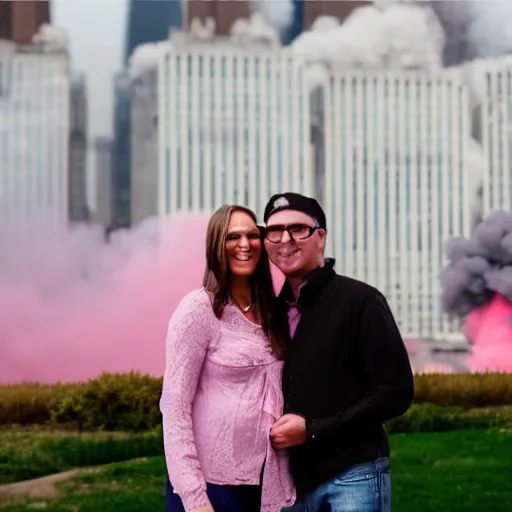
pixel 480 267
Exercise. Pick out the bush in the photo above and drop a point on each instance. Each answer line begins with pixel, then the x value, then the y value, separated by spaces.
pixel 113 402
pixel 32 403
pixel 130 402
pixel 464 390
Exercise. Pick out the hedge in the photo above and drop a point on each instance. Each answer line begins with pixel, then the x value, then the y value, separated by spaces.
pixel 129 402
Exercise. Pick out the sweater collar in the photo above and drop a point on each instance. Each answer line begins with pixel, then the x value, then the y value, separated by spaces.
pixel 312 286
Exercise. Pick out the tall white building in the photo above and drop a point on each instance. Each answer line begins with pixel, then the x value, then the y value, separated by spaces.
pixel 496 132
pixel 103 149
pixel 34 128
pixel 144 145
pixel 234 126
pixel 77 176
pixel 396 187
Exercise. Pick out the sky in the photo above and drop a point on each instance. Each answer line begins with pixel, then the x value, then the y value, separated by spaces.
pixel 95 29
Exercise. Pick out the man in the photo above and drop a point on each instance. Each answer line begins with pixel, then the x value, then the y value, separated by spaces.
pixel 345 374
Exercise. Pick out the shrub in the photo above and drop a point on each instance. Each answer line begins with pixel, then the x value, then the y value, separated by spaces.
pixel 31 403
pixel 464 390
pixel 113 402
pixel 130 402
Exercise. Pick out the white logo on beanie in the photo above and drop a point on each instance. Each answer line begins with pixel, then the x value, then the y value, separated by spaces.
pixel 281 202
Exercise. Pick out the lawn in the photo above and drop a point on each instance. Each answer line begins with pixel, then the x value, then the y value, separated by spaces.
pixel 35 451
pixel 454 471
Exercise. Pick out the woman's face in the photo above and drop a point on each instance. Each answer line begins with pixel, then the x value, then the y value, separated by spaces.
pixel 243 244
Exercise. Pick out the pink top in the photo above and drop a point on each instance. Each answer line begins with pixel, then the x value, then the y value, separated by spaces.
pixel 221 394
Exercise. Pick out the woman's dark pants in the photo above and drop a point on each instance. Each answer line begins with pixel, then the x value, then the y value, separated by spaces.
pixel 224 498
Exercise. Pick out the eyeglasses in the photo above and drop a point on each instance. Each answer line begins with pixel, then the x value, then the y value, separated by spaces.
pixel 275 234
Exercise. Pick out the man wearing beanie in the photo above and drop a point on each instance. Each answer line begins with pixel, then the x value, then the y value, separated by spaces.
pixel 346 371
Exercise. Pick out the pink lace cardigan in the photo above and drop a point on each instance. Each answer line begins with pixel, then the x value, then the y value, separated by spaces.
pixel 221 393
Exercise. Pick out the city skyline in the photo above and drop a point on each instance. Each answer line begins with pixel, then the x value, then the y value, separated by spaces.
pixel 237 119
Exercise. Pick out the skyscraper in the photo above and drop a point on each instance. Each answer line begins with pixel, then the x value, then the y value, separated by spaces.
pixel 34 131
pixel 144 145
pixel 234 126
pixel 396 186
pixel 496 134
pixel 224 12
pixel 121 215
pixel 149 21
pixel 297 24
pixel 78 209
pixel 103 156
pixel 340 9
pixel 305 12
pixel 20 20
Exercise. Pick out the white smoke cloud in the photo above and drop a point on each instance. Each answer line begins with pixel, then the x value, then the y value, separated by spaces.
pixel 325 24
pixel 145 57
pixel 256 28
pixel 490 30
pixel 278 13
pixel 389 37
pixel 51 37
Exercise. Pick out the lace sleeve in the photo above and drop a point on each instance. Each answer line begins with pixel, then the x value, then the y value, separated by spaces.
pixel 186 347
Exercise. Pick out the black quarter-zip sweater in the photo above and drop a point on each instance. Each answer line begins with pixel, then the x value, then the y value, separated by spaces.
pixel 346 371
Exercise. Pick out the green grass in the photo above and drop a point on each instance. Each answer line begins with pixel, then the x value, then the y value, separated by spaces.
pixel 454 471
pixel 31 452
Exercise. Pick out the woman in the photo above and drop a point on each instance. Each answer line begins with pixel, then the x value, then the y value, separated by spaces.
pixel 222 383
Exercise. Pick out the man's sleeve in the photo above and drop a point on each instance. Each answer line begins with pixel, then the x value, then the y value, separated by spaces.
pixel 391 384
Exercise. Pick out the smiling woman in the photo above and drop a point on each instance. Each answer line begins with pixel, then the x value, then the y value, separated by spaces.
pixel 222 384
pixel 243 248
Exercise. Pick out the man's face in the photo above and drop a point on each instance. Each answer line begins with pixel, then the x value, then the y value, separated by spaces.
pixel 295 258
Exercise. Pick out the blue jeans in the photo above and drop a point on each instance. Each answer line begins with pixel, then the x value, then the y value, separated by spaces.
pixel 224 498
pixel 362 488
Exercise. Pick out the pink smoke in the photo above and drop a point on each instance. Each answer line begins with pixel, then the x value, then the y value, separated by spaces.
pixel 490 330
pixel 72 306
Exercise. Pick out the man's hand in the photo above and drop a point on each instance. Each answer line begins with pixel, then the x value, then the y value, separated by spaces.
pixel 289 430
pixel 208 508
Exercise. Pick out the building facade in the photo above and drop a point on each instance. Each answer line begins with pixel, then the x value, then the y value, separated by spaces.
pixel 77 179
pixel 103 152
pixel 20 20
pixel 232 123
pixel 144 145
pixel 223 12
pixel 34 131
pixel 121 152
pixel 149 21
pixel 305 12
pixel 392 162
pixel 397 187
pixel 496 134
pixel 340 9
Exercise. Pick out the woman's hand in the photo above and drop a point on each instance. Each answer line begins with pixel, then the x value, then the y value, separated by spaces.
pixel 208 508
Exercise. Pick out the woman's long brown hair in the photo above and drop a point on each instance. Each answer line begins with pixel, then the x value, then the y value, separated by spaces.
pixel 217 280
